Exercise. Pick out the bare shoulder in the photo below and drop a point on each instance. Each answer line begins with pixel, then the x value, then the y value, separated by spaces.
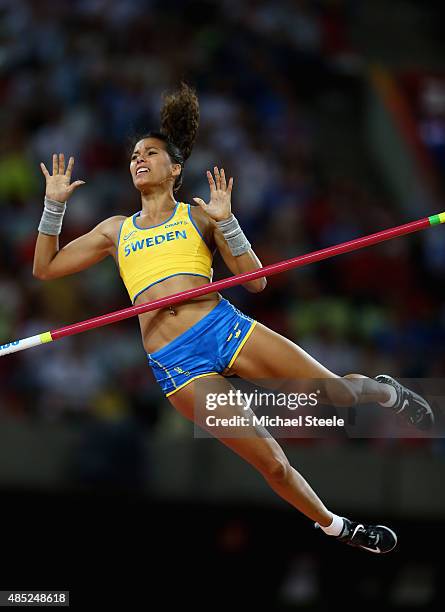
pixel 202 218
pixel 205 224
pixel 110 227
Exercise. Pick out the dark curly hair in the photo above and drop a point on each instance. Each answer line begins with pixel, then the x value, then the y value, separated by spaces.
pixel 179 126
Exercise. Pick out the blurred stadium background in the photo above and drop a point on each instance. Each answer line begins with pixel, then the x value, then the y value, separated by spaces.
pixel 331 117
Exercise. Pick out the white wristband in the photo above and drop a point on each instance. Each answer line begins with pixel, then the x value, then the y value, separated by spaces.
pixel 234 235
pixel 52 217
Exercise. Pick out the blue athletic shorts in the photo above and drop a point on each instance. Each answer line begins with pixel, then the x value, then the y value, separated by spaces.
pixel 208 347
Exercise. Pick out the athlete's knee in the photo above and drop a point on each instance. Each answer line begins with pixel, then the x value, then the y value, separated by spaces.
pixel 276 468
pixel 343 392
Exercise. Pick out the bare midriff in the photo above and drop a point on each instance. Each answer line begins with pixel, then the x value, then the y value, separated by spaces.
pixel 159 327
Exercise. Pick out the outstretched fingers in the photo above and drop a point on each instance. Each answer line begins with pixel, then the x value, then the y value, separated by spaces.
pixel 217 177
pixel 61 163
pixel 70 168
pixel 200 202
pixel 220 181
pixel 44 169
pixel 59 166
pixel 75 185
pixel 211 181
pixel 58 183
pixel 227 188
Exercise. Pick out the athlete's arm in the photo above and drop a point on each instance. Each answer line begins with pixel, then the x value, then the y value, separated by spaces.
pixel 219 209
pixel 77 255
pixel 49 261
pixel 247 262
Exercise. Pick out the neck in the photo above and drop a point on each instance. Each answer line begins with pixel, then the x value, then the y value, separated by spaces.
pixel 155 205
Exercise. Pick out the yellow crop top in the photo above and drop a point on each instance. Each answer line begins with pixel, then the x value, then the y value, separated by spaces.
pixel 147 256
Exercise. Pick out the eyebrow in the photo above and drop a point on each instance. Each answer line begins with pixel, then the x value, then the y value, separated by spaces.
pixel 146 148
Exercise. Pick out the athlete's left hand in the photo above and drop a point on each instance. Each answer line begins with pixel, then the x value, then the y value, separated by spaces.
pixel 220 193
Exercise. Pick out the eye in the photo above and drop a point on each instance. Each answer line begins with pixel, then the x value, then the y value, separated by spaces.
pixel 152 152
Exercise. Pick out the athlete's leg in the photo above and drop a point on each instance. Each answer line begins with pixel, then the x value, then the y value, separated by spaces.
pixel 262 452
pixel 267 355
pixel 266 455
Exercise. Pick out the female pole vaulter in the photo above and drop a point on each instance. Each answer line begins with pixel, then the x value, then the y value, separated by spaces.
pixel 165 248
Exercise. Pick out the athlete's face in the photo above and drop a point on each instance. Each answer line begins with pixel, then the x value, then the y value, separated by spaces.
pixel 150 165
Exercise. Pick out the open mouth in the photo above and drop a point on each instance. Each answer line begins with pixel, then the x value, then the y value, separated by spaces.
pixel 141 171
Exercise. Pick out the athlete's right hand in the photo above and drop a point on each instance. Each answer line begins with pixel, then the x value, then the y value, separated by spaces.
pixel 58 183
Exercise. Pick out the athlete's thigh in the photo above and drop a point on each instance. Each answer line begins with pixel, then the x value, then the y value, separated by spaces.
pixel 252 443
pixel 268 355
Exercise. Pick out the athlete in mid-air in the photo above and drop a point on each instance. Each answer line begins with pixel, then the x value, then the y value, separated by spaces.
pixel 167 247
